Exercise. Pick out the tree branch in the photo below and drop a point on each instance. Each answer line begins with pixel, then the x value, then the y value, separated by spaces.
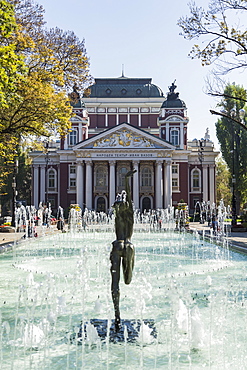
pixel 228 117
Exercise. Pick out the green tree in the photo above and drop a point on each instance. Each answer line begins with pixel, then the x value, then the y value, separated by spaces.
pixel 12 64
pixel 233 141
pixel 222 182
pixel 23 183
pixel 54 61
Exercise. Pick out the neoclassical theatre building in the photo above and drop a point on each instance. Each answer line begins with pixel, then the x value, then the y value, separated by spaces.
pixel 126 123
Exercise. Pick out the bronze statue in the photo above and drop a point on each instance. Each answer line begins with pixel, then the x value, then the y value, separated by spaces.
pixel 122 250
pixel 172 95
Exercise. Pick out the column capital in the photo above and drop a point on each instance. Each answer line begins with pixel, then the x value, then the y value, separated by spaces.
pixel 136 161
pixel 159 162
pixel 112 162
pixel 89 162
pixel 79 161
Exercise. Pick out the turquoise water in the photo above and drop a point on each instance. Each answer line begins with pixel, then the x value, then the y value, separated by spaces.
pixel 194 290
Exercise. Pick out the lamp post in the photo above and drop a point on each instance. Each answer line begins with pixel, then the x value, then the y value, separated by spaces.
pixel 233 116
pixel 15 171
pixel 201 145
pixel 46 170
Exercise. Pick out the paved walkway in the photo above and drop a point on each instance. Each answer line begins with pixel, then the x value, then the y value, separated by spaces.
pixel 7 239
pixel 237 240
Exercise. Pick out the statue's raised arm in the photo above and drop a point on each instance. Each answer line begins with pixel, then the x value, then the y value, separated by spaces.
pixel 127 187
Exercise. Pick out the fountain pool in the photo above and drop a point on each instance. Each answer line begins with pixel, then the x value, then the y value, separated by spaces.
pixel 195 291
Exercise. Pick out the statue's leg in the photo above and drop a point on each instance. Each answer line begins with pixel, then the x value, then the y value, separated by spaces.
pixel 128 262
pixel 115 258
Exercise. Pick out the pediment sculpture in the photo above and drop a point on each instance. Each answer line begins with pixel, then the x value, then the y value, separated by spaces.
pixel 124 138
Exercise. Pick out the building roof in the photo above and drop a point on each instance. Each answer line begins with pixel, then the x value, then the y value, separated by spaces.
pixel 124 87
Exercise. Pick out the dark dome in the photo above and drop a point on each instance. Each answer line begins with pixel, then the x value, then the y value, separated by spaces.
pixel 124 87
pixel 176 103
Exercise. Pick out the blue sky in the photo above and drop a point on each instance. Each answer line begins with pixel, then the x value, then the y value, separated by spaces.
pixel 144 37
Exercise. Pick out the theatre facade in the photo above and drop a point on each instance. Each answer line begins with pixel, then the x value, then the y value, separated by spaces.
pixel 126 123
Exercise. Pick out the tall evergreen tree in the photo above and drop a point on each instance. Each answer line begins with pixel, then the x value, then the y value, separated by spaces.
pixel 233 140
pixel 222 182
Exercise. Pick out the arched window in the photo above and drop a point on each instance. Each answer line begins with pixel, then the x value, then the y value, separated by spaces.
pixel 146 177
pixel 100 176
pixel 175 137
pixel 73 137
pixel 196 179
pixel 146 204
pixel 52 179
pixel 121 178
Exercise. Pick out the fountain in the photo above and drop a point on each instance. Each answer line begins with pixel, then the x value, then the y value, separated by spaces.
pixel 194 290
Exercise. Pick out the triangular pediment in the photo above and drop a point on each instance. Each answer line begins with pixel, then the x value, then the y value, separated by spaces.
pixel 124 136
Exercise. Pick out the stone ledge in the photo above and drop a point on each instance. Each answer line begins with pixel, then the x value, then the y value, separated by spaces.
pixel 238 229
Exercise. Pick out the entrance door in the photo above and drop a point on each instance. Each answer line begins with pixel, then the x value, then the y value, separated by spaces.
pixel 100 205
pixel 146 204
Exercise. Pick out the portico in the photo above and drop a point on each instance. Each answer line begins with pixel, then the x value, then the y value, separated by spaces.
pixel 104 161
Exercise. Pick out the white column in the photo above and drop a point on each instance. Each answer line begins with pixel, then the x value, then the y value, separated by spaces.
pixel 89 184
pixel 167 132
pixel 139 120
pixel 128 118
pixel 80 132
pixel 136 184
pixel 66 142
pixel 43 183
pixel 79 183
pixel 112 187
pixel 205 182
pixel 164 186
pixel 106 120
pixel 158 184
pixel 212 184
pixel 58 185
pixel 117 119
pixel 181 135
pixel 168 183
pixel 36 186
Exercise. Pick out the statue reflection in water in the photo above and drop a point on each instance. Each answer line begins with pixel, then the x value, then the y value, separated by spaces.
pixel 122 248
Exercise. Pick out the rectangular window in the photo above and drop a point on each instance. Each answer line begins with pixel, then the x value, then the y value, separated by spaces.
pixel 174 137
pixel 73 137
pixel 175 183
pixel 174 168
pixel 72 183
pixel 72 176
pixel 175 177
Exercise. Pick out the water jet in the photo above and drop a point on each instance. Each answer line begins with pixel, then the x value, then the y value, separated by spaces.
pixel 194 290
